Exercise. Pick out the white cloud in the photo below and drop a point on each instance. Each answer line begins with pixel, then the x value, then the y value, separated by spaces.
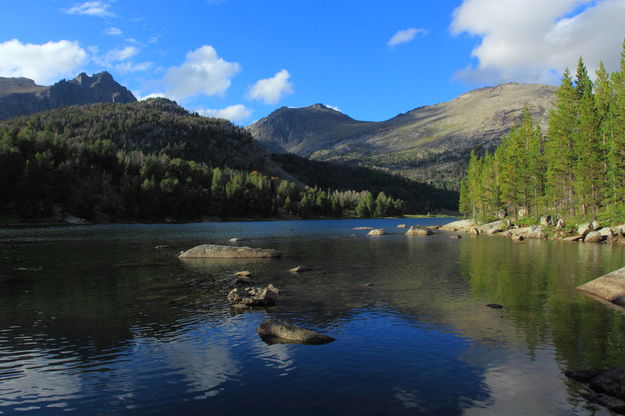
pixel 120 54
pixel 43 63
pixel 272 90
pixel 113 31
pixel 335 108
pixel 534 40
pixel 236 112
pixel 404 36
pixel 202 72
pixel 126 67
pixel 153 39
pixel 140 97
pixel 92 8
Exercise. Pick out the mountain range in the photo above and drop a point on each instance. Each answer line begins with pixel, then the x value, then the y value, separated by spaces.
pixel 22 96
pixel 429 144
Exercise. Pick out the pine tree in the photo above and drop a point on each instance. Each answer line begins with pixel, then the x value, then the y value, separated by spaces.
pixel 560 158
pixel 588 169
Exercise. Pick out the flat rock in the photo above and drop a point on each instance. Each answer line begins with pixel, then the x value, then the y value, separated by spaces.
pixel 611 382
pixel 289 332
pixel 461 225
pixel 244 273
pixel 217 251
pixel 456 236
pixel 363 228
pixel 254 296
pixel 418 230
pixel 377 231
pixel 610 287
pixel 573 238
pixel 401 225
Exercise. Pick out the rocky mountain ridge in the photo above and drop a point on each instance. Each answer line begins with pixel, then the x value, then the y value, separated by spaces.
pixel 22 96
pixel 430 143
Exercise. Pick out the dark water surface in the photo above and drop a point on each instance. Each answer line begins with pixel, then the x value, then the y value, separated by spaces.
pixel 96 320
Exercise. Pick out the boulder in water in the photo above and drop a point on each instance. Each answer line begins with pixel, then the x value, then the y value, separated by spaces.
pixel 417 230
pixel 377 231
pixel 217 251
pixel 279 330
pixel 254 296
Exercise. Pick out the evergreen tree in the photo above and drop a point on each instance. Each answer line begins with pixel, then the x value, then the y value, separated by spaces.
pixel 589 169
pixel 560 157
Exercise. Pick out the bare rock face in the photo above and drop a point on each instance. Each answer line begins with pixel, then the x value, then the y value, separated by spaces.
pixel 21 96
pixel 441 135
pixel 278 330
pixel 254 296
pixel 417 230
pixel 217 251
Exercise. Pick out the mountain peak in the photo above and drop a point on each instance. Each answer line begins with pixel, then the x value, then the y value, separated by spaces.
pixel 21 96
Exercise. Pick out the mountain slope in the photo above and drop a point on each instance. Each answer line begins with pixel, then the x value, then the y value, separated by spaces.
pixel 21 96
pixel 429 143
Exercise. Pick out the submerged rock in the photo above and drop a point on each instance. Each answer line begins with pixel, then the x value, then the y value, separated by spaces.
pixel 217 251
pixel 377 231
pixel 608 387
pixel 277 330
pixel 495 306
pixel 363 228
pixel 456 236
pixel 401 225
pixel 611 403
pixel 254 296
pixel 300 269
pixel 244 273
pixel 417 230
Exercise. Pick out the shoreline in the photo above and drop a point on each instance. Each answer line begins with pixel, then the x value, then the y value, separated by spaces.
pixel 586 232
pixel 60 222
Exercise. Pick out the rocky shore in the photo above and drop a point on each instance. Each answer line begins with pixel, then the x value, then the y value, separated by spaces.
pixel 588 232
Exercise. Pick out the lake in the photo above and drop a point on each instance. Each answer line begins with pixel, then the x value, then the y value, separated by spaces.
pixel 98 320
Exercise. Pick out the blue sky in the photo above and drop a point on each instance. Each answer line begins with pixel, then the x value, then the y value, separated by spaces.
pixel 241 59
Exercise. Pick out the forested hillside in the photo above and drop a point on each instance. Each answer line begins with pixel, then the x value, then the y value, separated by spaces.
pixel 152 160
pixel 418 197
pixel 575 170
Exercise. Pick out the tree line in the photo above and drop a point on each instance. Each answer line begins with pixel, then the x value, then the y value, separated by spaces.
pixel 575 170
pixel 133 162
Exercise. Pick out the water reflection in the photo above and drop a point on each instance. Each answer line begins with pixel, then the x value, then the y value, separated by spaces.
pixel 97 318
